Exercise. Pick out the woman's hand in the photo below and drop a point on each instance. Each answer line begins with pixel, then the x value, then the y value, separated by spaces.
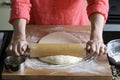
pixel 96 48
pixel 17 46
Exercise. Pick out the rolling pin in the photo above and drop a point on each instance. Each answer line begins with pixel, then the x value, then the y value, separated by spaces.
pixel 42 50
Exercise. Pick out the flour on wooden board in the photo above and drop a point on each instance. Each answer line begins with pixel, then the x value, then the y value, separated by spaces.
pixel 78 66
pixel 84 66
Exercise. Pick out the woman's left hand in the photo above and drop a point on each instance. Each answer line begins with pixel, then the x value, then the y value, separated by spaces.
pixel 96 48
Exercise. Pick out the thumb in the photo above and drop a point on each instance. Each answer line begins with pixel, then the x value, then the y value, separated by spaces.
pixel 88 48
pixel 24 48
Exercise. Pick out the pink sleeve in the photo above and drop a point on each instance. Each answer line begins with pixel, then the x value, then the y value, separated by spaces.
pixel 20 9
pixel 100 6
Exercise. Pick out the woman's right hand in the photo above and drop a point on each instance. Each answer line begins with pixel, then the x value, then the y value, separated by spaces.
pixel 17 46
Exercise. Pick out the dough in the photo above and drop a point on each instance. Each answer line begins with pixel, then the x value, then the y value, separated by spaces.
pixel 60 37
pixel 61 59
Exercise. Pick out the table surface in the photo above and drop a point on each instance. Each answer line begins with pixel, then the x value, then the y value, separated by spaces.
pixel 92 70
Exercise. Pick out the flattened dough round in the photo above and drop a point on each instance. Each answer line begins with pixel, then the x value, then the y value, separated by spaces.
pixel 60 37
pixel 61 59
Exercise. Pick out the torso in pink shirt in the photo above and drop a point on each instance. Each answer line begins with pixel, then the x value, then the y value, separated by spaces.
pixel 67 12
pixel 63 12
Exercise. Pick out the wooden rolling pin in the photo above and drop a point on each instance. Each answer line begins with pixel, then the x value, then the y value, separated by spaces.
pixel 42 50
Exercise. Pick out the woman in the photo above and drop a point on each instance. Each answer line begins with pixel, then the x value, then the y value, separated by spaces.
pixel 64 12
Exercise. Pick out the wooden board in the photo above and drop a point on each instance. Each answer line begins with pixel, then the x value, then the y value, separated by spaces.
pixel 34 33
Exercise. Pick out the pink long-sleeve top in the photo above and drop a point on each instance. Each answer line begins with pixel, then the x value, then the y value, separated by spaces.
pixel 64 12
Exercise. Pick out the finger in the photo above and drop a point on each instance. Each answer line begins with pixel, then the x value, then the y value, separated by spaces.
pixel 88 48
pixel 24 48
pixel 9 50
pixel 102 50
pixel 92 49
pixel 15 50
pixel 19 48
pixel 98 48
pixel 105 50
